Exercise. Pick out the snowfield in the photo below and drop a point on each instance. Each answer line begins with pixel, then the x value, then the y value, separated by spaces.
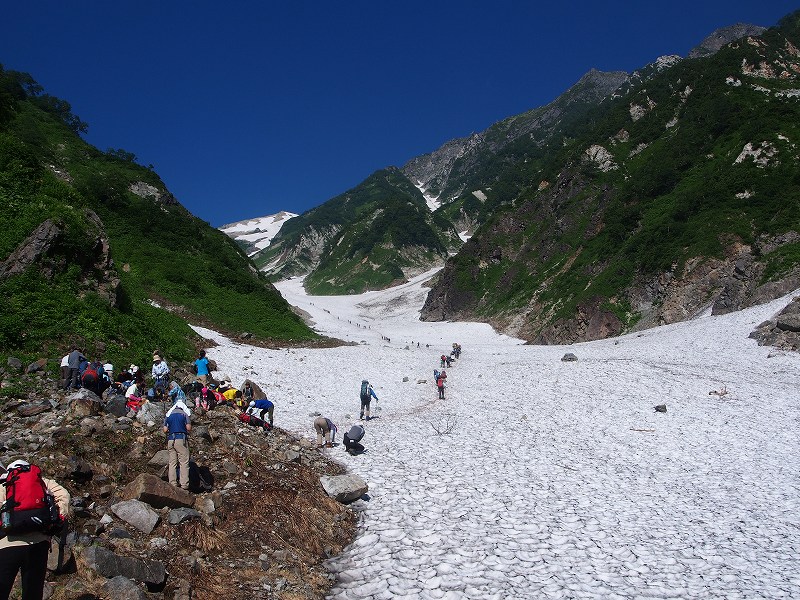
pixel 556 479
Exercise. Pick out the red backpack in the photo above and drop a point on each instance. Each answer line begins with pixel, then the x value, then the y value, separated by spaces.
pixel 90 376
pixel 29 506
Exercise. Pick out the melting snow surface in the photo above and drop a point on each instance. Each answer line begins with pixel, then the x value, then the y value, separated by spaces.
pixel 558 479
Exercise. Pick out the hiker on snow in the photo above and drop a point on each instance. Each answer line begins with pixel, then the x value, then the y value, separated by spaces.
pixel 325 427
pixel 27 551
pixel 352 439
pixel 177 425
pixel 367 394
pixel 440 385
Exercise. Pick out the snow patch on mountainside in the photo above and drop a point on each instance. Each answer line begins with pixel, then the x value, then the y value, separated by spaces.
pixel 257 233
pixel 431 200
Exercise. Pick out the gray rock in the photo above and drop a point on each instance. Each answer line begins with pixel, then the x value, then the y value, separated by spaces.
pixel 344 488
pixel 36 366
pixel 116 406
pixel 292 456
pixel 83 403
pixel 122 588
pixel 156 492
pixel 67 560
pixel 159 459
pixel 108 564
pixel 569 357
pixel 228 440
pixel 660 408
pixel 788 322
pixel 152 411
pixel 179 515
pixel 34 408
pixel 14 363
pixel 200 432
pixel 136 513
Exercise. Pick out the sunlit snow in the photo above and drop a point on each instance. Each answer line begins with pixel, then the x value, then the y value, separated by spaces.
pixel 558 479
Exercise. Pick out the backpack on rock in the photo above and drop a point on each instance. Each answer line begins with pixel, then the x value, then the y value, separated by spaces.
pixel 29 507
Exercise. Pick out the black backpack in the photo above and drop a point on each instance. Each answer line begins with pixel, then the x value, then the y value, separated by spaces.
pixel 365 390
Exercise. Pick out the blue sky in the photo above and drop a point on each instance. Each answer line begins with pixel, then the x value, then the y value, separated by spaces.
pixel 248 108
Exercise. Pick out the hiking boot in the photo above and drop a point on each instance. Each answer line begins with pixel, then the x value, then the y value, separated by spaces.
pixel 328 445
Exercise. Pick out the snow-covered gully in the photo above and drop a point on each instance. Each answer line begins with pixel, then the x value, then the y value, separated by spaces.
pixel 557 479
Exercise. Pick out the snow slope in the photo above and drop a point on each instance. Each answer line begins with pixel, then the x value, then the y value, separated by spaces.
pixel 258 233
pixel 559 480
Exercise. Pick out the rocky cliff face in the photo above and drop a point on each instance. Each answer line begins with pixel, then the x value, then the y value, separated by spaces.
pixel 47 250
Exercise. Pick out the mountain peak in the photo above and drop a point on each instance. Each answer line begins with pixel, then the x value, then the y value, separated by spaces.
pixel 723 36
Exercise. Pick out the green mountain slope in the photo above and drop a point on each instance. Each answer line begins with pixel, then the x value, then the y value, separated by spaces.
pixel 678 196
pixel 370 237
pixel 116 246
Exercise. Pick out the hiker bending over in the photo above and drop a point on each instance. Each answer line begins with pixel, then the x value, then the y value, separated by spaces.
pixel 325 427
pixel 177 426
pixel 27 551
pixel 367 394
pixel 352 438
pixel 266 407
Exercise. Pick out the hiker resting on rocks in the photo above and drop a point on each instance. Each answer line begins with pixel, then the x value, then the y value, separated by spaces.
pixel 325 427
pixel 27 549
pixel 177 425
pixel 367 394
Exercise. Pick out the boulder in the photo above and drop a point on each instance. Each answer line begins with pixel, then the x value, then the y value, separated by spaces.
pixel 569 357
pixel 156 492
pixel 36 366
pixel 136 513
pixel 788 322
pixel 111 565
pixel 159 459
pixel 660 408
pixel 122 588
pixel 116 405
pixel 83 403
pixel 152 411
pixel 14 363
pixel 258 393
pixel 344 488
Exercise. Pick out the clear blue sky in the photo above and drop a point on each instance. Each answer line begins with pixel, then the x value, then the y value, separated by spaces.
pixel 248 108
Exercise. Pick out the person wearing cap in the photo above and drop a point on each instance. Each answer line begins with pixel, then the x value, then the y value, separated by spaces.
pixel 325 428
pixel 27 552
pixel 177 425
pixel 160 372
pixel 265 407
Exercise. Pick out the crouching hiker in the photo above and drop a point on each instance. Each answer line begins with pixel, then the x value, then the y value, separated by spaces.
pixel 265 407
pixel 177 426
pixel 325 427
pixel 26 528
pixel 352 438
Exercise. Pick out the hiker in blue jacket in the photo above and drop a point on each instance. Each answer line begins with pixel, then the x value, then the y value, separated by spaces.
pixel 177 426
pixel 367 394
pixel 266 407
